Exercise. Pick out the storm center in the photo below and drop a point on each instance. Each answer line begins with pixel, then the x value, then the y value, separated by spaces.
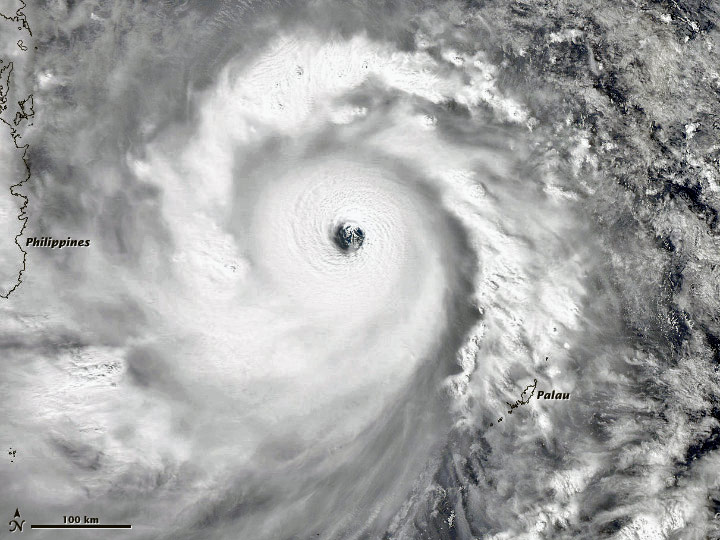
pixel 349 237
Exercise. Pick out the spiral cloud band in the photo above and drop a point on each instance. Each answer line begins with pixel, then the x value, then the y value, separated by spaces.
pixel 304 333
pixel 365 270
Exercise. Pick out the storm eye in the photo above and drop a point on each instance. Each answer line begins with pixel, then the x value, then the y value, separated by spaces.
pixel 349 237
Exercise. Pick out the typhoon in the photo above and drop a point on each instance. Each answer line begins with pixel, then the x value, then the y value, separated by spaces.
pixel 368 270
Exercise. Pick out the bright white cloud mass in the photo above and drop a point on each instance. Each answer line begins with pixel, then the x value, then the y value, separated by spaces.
pixel 533 194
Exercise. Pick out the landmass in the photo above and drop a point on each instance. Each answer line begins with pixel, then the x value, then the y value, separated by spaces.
pixel 524 399
pixel 16 167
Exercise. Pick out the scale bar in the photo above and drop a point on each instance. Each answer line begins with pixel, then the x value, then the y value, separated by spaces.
pixel 93 526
